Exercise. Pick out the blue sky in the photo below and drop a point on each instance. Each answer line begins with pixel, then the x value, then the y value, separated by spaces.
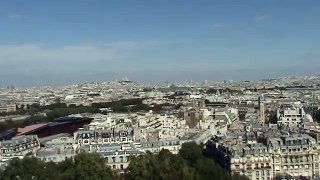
pixel 60 42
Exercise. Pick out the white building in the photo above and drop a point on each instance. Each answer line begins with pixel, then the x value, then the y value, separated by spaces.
pixel 290 116
pixel 57 150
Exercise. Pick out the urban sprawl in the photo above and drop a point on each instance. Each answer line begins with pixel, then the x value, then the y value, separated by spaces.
pixel 261 129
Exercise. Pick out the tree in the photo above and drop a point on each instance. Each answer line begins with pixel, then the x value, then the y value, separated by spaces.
pixel 84 167
pixel 91 166
pixel 27 168
pixel 191 152
pixel 164 166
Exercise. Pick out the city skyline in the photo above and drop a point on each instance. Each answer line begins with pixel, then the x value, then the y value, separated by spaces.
pixel 58 43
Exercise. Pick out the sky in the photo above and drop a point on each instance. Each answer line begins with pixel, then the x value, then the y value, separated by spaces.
pixel 61 42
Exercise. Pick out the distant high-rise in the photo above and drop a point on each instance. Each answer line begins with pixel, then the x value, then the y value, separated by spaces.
pixel 261 102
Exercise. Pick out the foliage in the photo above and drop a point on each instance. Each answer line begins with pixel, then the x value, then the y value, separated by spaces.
pixel 84 167
pixel 190 152
pixel 61 109
pixel 118 104
pixel 51 111
pixel 91 166
pixel 132 105
pixel 190 163
pixel 59 112
pixel 164 166
pixel 27 168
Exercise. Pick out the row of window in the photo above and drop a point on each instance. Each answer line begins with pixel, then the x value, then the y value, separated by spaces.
pixel 121 159
pixel 87 141
pixel 58 144
pixel 296 167
pixel 256 166
pixel 18 148
pixel 115 167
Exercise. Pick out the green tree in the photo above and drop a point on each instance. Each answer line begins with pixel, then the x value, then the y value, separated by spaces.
pixel 164 166
pixel 191 152
pixel 27 168
pixel 84 167
pixel 91 166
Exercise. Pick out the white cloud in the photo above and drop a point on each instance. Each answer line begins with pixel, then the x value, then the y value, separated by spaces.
pixel 218 25
pixel 15 16
pixel 261 18
pixel 34 54
pixel 125 44
pixel 28 64
pixel 227 26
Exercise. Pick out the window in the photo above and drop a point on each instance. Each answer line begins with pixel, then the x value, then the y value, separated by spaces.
pixel 121 166
pixel 113 159
pixel 114 167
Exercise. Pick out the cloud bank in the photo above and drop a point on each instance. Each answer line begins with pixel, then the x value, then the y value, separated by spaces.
pixel 261 18
pixel 15 16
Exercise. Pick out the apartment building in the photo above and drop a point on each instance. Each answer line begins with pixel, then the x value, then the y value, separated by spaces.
pixel 57 149
pixel 115 156
pixel 119 160
pixel 252 160
pixel 122 135
pixel 19 146
pixel 294 155
pixel 290 116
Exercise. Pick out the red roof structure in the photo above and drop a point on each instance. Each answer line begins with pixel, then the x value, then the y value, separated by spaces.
pixel 31 128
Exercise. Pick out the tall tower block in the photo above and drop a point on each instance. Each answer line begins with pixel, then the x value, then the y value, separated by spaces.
pixel 261 102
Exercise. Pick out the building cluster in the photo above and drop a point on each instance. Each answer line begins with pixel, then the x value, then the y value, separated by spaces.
pixel 267 156
pixel 262 129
